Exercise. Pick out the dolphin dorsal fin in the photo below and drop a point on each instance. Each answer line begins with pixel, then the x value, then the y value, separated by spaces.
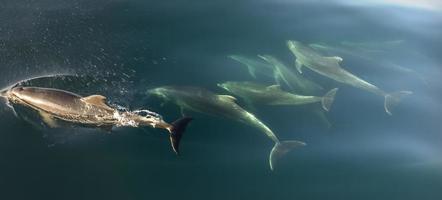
pixel 97 100
pixel 274 87
pixel 336 59
pixel 227 98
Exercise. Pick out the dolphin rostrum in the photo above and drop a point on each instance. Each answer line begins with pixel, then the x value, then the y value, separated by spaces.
pixel 273 95
pixel 203 101
pixel 56 107
pixel 329 67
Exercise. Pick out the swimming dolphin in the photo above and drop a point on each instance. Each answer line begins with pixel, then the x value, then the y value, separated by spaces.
pixel 274 95
pixel 56 107
pixel 329 67
pixel 253 65
pixel 203 101
pixel 296 83
pixel 292 79
pixel 373 60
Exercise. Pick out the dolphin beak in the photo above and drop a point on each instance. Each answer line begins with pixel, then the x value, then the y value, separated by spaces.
pixel 4 92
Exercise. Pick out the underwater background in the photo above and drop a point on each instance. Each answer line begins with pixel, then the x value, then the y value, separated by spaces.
pixel 122 48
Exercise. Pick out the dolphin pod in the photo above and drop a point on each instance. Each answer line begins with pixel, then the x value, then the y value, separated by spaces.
pixel 330 67
pixel 203 101
pixel 291 87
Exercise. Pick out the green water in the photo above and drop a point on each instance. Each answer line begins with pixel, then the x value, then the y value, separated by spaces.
pixel 125 47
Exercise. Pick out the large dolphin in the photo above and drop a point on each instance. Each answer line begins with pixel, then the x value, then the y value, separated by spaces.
pixel 254 65
pixel 291 78
pixel 329 67
pixel 273 95
pixel 203 101
pixel 58 107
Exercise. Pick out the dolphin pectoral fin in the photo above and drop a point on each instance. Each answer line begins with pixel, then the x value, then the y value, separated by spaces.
pixel 392 99
pixel 48 119
pixel 298 65
pixel 227 98
pixel 282 148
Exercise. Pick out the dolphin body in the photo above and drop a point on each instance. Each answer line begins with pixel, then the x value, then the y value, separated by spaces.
pixel 342 50
pixel 203 101
pixel 57 107
pixel 253 65
pixel 292 79
pixel 329 67
pixel 274 95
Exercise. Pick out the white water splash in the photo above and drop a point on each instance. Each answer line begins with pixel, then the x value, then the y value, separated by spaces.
pixel 125 117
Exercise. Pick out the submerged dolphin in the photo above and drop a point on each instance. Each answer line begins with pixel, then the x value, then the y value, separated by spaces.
pixel 374 60
pixel 292 79
pixel 329 67
pixel 204 101
pixel 57 107
pixel 253 65
pixel 273 95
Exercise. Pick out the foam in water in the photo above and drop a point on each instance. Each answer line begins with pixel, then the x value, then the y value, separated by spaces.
pixel 125 117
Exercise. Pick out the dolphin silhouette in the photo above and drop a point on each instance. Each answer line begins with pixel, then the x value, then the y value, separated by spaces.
pixel 55 106
pixel 274 95
pixel 203 101
pixel 329 67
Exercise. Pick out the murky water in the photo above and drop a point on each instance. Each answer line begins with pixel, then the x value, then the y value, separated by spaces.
pixel 123 48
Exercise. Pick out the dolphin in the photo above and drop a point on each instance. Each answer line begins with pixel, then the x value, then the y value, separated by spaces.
pixel 253 65
pixel 292 79
pixel 329 67
pixel 297 83
pixel 203 101
pixel 274 95
pixel 341 50
pixel 57 107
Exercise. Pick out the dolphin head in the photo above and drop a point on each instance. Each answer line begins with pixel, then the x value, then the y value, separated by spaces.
pixel 4 93
pixel 232 86
pixel 293 44
pixel 25 93
pixel 160 92
pixel 19 92
pixel 225 85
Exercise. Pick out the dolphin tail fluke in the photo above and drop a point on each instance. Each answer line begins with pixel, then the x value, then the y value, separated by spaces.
pixel 282 148
pixel 328 99
pixel 177 131
pixel 392 99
